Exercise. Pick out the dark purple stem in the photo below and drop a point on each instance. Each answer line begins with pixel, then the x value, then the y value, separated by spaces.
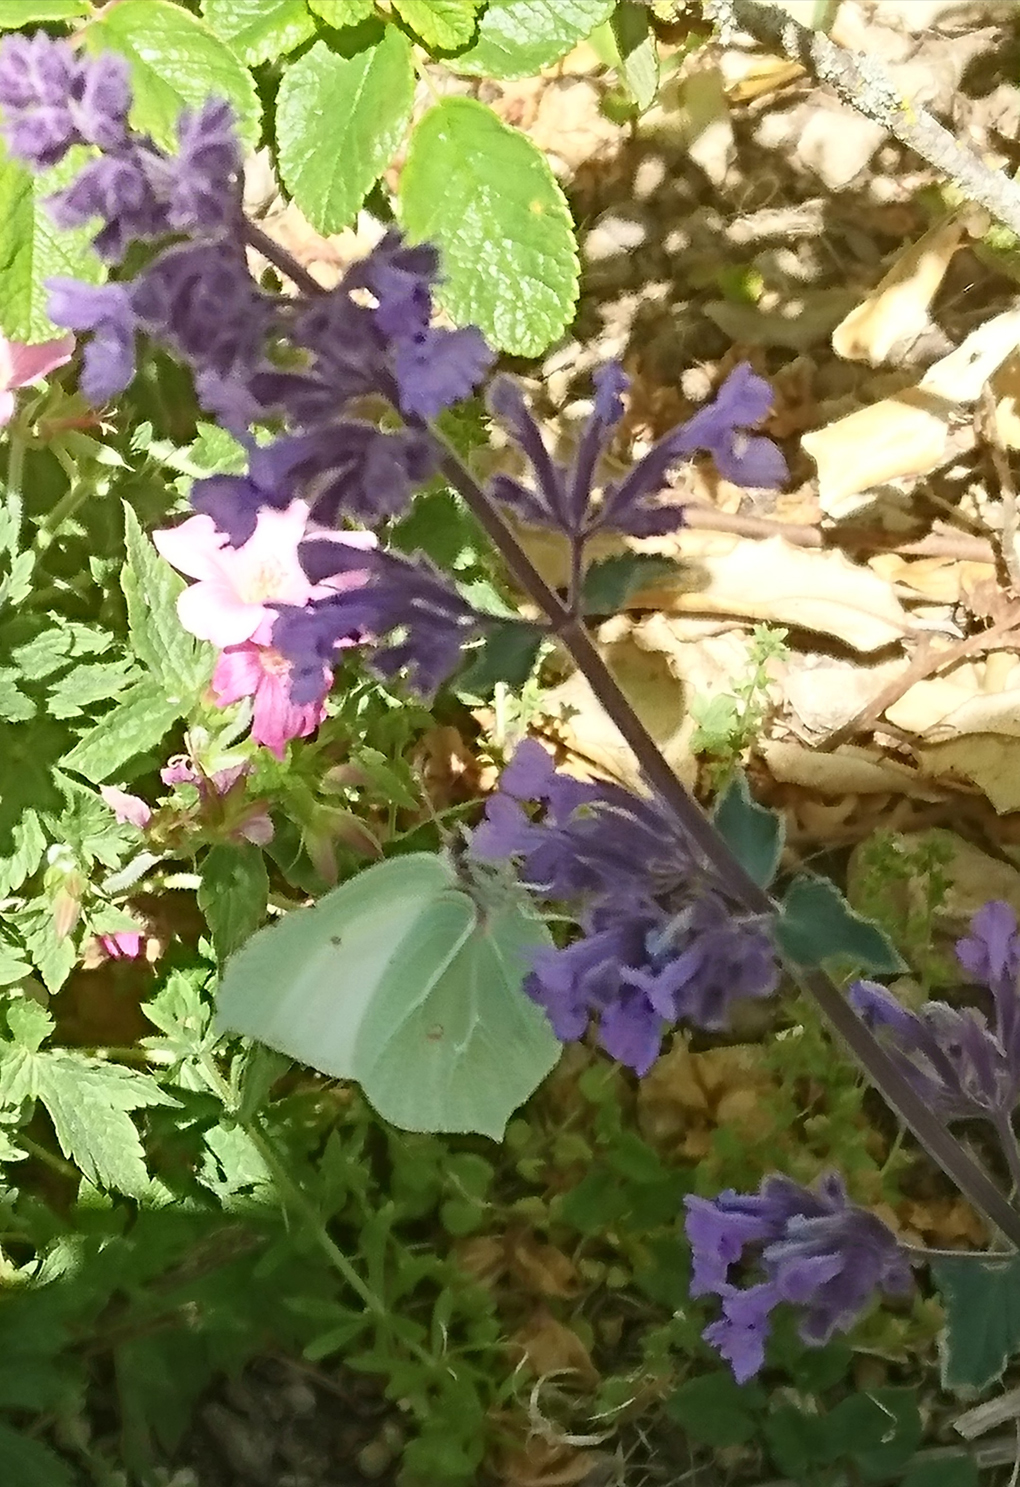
pixel 972 1180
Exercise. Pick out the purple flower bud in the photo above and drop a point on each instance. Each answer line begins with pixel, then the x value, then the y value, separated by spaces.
pixel 108 363
pixel 439 367
pixel 53 99
pixel 816 1250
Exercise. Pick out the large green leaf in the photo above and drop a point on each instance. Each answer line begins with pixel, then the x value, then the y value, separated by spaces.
pixel 981 1299
pixel 29 1462
pixel 443 25
pixel 400 980
pixel 340 13
pixel 259 30
pixel 158 639
pixel 176 62
pixel 32 250
pixel 518 37
pixel 339 121
pixel 139 722
pixel 15 13
pixel 487 197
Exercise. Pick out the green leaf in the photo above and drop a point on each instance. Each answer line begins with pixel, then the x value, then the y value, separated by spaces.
pixel 15 705
pixel 139 722
pixel 13 965
pixel 29 1463
pixel 443 25
pixel 15 13
pixel 506 654
pixel 431 1020
pixel 816 922
pixel 176 62
pixel 637 51
pixel 951 1471
pixel 88 1102
pixel 367 100
pixel 52 956
pixel 340 13
pixel 796 1440
pixel 716 1410
pixel 83 686
pixel 519 37
pixel 488 198
pixel 611 582
pixel 753 833
pixel 233 894
pixel 159 640
pixel 982 1332
pixel 32 250
pixel 259 30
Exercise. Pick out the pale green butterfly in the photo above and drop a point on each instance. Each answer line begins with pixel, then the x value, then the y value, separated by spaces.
pixel 407 979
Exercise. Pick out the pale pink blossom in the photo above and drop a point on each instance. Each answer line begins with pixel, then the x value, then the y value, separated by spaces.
pixel 20 365
pixel 232 600
pixel 128 809
pixel 258 671
pixel 250 820
pixel 126 944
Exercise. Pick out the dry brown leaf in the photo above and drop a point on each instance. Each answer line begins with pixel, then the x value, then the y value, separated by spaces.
pixel 943 580
pixel 542 1463
pixel 685 1095
pixel 482 1257
pixel 825 692
pixel 550 1348
pixel 542 1268
pixel 848 770
pixel 988 760
pixel 943 707
pixel 896 311
pixel 1006 391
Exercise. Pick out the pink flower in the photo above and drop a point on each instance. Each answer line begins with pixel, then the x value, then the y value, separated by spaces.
pixel 126 944
pixel 251 670
pixel 236 587
pixel 20 364
pixel 129 809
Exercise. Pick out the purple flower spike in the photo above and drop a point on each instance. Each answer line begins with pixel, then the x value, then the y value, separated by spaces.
pixel 959 1064
pixel 658 945
pixel 563 499
pixel 53 99
pixel 108 363
pixel 816 1251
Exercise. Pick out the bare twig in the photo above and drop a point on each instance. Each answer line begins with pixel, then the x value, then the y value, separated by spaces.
pixel 803 534
pixel 862 82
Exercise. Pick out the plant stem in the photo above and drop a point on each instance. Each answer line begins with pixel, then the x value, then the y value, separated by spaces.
pixel 972 1180
pixel 15 473
pixel 1010 1150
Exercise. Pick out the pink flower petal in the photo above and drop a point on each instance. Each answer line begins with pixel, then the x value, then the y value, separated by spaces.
pixel 29 363
pixel 237 674
pixel 6 407
pixel 128 809
pixel 191 547
pixel 126 944
pixel 212 611
pixel 277 719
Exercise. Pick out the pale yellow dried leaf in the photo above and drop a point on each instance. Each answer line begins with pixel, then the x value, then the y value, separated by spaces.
pixel 990 761
pixel 945 707
pixel 944 580
pixel 896 310
pixel 900 437
pixel 961 376
pixel 1006 391
pixel 848 770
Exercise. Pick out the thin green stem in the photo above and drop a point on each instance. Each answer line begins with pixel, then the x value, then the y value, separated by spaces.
pixel 48 1158
pixel 1011 1151
pixel 16 447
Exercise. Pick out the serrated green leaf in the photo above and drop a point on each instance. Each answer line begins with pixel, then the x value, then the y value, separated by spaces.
pixel 638 52
pixel 13 965
pixel 176 62
pixel 29 1462
pixel 340 13
pixel 23 852
pixel 950 1471
pixel 611 582
pixel 29 1024
pixel 367 99
pixel 88 1103
pixel 259 30
pixel 32 250
pixel 139 722
pixel 485 195
pixel 15 705
pixel 443 25
pixel 53 956
pixel 507 654
pixel 15 13
pixel 519 37
pixel 233 894
pixel 981 1299
pixel 753 833
pixel 159 640
pixel 94 681
pixel 816 922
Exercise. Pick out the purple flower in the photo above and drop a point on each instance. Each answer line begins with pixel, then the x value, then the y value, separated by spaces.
pixel 350 467
pixel 108 362
pixel 206 169
pixel 437 367
pixel 959 1064
pixel 659 944
pixel 54 99
pixel 426 622
pixel 562 497
pixel 816 1251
